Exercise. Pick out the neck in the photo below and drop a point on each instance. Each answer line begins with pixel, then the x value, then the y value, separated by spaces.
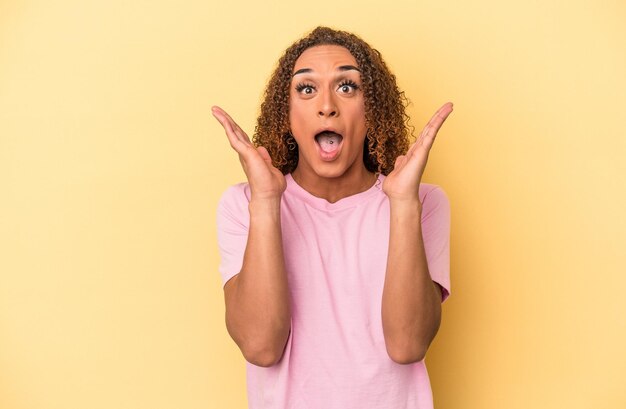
pixel 336 188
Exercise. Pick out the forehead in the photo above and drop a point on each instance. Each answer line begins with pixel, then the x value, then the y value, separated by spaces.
pixel 324 56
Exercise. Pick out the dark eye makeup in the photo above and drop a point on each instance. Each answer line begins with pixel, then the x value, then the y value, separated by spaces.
pixel 304 86
pixel 349 83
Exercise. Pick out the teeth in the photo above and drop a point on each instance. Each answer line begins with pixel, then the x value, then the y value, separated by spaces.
pixel 328 141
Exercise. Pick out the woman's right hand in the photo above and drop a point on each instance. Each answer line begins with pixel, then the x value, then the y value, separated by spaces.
pixel 266 182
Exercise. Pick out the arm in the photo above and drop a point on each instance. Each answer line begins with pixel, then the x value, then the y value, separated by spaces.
pixel 258 316
pixel 411 307
pixel 411 303
pixel 257 299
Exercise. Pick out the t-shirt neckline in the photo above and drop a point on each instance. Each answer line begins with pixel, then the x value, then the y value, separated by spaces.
pixel 323 204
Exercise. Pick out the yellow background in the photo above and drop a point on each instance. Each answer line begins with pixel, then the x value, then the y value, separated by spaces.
pixel 111 168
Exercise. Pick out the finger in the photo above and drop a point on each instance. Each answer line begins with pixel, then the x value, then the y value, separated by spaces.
pixel 226 118
pixel 399 162
pixel 428 134
pixel 240 132
pixel 264 154
pixel 239 144
pixel 421 147
pixel 241 135
pixel 234 134
pixel 432 127
pixel 227 125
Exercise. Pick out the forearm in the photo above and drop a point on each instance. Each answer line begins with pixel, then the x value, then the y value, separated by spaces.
pixel 259 317
pixel 411 304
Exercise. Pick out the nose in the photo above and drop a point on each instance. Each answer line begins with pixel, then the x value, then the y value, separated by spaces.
pixel 327 107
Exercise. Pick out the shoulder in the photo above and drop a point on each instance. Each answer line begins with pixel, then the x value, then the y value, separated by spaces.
pixel 234 201
pixel 236 192
pixel 431 192
pixel 434 199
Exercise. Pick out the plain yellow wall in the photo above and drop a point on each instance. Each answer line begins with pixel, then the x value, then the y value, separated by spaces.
pixel 111 167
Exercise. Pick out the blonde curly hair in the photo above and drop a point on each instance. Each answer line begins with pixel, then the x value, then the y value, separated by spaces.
pixel 387 124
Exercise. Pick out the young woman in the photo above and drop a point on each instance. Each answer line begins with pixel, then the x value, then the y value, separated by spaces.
pixel 334 255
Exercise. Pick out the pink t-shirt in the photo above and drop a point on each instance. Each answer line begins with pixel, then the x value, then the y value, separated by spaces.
pixel 335 258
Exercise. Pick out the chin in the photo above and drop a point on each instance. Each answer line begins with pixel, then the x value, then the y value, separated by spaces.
pixel 329 173
pixel 334 170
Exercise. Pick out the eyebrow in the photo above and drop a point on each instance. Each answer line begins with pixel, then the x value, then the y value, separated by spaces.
pixel 340 68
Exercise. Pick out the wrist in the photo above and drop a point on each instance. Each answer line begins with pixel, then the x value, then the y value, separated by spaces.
pixel 405 206
pixel 264 205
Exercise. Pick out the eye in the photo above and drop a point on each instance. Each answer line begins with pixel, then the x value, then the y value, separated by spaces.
pixel 348 87
pixel 304 88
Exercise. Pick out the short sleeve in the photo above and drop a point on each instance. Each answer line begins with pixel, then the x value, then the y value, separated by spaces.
pixel 436 236
pixel 233 222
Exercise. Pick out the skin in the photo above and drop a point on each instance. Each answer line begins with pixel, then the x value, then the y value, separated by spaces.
pixel 411 304
pixel 331 98
pixel 258 315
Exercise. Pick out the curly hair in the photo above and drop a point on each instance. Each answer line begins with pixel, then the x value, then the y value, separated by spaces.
pixel 386 120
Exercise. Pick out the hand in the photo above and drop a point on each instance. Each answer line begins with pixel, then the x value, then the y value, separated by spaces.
pixel 404 180
pixel 266 182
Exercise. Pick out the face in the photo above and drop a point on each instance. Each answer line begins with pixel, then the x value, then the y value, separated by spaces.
pixel 327 113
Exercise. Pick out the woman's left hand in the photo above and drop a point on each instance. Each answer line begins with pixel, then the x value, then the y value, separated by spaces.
pixel 402 184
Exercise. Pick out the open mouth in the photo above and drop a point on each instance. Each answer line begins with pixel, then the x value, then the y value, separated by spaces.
pixel 328 141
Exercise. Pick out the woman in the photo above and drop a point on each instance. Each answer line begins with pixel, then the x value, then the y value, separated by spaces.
pixel 335 257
